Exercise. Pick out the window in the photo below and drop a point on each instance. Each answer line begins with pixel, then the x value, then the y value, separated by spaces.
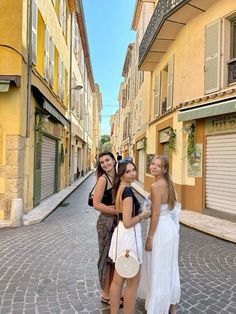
pixel 232 61
pixel 233 39
pixel 34 30
pixel 46 54
pixel 163 89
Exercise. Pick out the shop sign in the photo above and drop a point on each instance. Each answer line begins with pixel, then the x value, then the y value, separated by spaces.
pixel 221 124
pixel 141 144
pixel 52 128
pixel 164 135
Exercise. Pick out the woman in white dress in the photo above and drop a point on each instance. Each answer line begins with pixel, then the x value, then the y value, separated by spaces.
pixel 160 283
pixel 123 237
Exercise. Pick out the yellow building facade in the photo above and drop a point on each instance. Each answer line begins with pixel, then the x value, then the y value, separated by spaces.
pixel 188 49
pixel 36 99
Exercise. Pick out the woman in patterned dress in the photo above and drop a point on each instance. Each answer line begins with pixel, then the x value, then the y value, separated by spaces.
pixel 107 220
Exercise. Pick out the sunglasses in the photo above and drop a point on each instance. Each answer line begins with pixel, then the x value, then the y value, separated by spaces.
pixel 125 160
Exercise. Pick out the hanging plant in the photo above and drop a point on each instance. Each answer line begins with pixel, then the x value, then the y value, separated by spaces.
pixel 191 147
pixel 40 127
pixel 172 140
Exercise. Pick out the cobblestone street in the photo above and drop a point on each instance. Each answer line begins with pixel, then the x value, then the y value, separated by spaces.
pixel 51 267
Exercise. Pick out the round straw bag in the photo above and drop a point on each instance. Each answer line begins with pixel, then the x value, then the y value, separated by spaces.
pixel 127 264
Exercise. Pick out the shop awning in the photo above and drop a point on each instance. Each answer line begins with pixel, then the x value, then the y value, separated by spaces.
pixel 56 114
pixel 208 110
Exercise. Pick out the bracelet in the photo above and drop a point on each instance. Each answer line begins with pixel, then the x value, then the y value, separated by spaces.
pixel 149 237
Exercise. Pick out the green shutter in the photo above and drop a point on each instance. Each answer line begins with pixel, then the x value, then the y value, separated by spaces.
pixel 37 169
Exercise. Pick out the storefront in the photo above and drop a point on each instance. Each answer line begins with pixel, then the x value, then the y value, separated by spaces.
pixel 220 165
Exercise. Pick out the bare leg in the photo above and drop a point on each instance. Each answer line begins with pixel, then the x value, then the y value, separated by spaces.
pixel 130 294
pixel 109 277
pixel 115 293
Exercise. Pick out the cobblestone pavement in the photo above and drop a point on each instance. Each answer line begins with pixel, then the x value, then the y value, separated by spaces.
pixel 51 267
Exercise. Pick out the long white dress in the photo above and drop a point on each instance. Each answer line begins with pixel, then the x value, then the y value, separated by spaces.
pixel 159 282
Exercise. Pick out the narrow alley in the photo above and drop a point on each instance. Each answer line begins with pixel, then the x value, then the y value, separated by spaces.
pixel 51 267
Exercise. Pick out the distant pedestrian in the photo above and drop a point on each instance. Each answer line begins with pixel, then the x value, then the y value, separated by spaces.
pixel 118 156
pixel 107 220
pixel 160 283
pixel 125 237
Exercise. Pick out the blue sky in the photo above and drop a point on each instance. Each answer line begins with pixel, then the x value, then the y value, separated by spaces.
pixel 108 24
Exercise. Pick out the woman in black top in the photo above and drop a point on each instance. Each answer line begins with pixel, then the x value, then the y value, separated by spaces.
pixel 129 216
pixel 107 220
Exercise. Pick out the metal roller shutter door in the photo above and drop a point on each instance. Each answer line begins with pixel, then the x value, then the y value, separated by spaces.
pixel 48 167
pixel 221 172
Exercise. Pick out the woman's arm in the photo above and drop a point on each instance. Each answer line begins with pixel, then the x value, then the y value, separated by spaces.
pixel 156 198
pixel 98 195
pixel 128 220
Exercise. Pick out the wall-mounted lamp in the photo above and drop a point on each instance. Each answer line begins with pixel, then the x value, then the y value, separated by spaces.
pixel 77 87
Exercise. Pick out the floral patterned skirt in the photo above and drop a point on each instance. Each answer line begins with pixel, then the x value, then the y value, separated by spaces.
pixel 105 227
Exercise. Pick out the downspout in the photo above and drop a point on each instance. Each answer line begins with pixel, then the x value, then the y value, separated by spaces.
pixel 29 68
pixel 70 97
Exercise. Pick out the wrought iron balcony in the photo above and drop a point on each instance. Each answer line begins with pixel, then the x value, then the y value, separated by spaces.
pixel 168 19
pixel 232 71
pixel 163 9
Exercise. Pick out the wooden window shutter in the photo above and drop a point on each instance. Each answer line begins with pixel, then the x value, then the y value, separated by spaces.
pixel 34 31
pixel 61 14
pixel 64 17
pixel 157 87
pixel 170 83
pixel 59 76
pixel 51 69
pixel 46 54
pixel 212 57
pixel 62 82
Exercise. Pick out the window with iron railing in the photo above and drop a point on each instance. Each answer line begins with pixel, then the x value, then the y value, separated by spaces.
pixel 232 61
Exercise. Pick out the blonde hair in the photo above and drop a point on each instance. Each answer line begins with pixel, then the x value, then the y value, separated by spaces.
pixel 165 169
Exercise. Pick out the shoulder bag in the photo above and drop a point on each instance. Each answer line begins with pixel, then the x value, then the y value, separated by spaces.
pixel 127 264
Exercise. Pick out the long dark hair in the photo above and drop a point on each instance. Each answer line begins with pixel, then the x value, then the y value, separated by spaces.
pixel 100 171
pixel 165 169
pixel 122 166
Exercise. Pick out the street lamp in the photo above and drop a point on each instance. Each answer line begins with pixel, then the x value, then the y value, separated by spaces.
pixel 77 87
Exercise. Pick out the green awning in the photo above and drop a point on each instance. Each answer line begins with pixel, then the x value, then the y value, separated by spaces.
pixel 55 113
pixel 209 110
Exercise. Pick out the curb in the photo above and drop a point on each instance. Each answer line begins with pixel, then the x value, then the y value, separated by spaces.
pixel 216 227
pixel 46 207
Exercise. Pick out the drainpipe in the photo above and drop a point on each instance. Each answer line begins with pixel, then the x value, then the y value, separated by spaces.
pixel 70 97
pixel 29 67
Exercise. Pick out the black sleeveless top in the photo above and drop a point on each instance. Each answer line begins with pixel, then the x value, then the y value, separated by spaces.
pixel 107 198
pixel 128 192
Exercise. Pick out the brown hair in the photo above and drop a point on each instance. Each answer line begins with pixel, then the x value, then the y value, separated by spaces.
pixel 122 165
pixel 165 169
pixel 100 171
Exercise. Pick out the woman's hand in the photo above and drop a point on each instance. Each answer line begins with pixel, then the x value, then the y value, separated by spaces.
pixel 113 209
pixel 145 214
pixel 148 244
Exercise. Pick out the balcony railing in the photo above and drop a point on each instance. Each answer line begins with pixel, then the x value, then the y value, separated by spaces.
pixel 232 71
pixel 163 9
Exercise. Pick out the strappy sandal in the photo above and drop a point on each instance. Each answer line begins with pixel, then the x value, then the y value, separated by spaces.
pixel 105 300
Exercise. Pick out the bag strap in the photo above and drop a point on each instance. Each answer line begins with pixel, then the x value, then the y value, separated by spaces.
pixel 108 178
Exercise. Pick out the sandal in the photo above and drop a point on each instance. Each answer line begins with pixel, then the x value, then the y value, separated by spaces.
pixel 105 301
